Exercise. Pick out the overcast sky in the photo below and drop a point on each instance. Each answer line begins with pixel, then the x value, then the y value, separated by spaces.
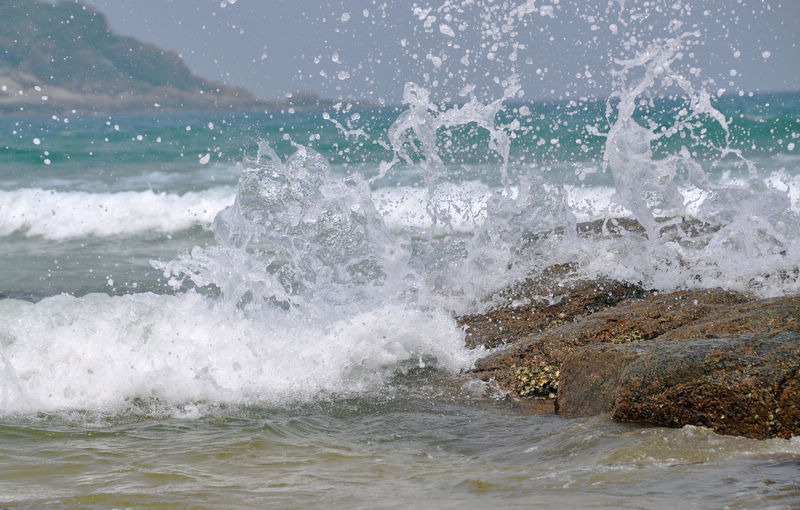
pixel 369 48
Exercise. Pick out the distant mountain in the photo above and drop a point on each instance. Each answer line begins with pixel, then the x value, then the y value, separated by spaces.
pixel 63 56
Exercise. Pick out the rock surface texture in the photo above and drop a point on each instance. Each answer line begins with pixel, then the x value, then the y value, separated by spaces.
pixel 712 358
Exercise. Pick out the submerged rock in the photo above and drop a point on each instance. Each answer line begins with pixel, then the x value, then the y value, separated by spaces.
pixel 712 358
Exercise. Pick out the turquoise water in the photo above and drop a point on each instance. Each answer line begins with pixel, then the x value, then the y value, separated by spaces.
pixel 105 154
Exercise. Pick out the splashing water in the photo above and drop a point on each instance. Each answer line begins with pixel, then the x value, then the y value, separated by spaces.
pixel 750 232
pixel 302 246
pixel 295 235
pixel 325 281
pixel 298 298
pixel 299 238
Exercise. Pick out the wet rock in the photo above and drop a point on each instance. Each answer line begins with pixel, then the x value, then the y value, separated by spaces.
pixel 535 306
pixel 787 412
pixel 767 316
pixel 734 386
pixel 633 320
pixel 683 230
pixel 711 358
pixel 736 371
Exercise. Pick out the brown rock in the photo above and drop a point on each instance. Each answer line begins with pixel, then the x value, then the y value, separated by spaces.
pixel 591 379
pixel 533 307
pixel 733 386
pixel 767 316
pixel 787 412
pixel 712 358
pixel 737 371
pixel 634 320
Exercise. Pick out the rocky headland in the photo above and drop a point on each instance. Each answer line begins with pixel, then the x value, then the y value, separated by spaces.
pixel 63 58
pixel 709 357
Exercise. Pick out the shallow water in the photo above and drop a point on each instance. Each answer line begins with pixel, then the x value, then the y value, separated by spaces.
pixel 390 451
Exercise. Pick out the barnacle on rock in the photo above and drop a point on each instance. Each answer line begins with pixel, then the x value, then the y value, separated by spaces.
pixel 537 381
pixel 629 337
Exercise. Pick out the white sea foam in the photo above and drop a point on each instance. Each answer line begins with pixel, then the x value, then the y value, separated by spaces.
pixel 70 214
pixel 60 215
pixel 467 203
pixel 98 352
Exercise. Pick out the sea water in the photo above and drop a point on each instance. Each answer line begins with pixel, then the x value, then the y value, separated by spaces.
pixel 258 309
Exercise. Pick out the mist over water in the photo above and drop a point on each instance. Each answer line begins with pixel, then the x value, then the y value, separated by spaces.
pixel 300 271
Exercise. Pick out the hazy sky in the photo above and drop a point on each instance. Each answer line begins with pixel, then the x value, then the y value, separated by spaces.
pixel 370 48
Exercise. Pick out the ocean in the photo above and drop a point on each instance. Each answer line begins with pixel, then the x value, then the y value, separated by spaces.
pixel 258 309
